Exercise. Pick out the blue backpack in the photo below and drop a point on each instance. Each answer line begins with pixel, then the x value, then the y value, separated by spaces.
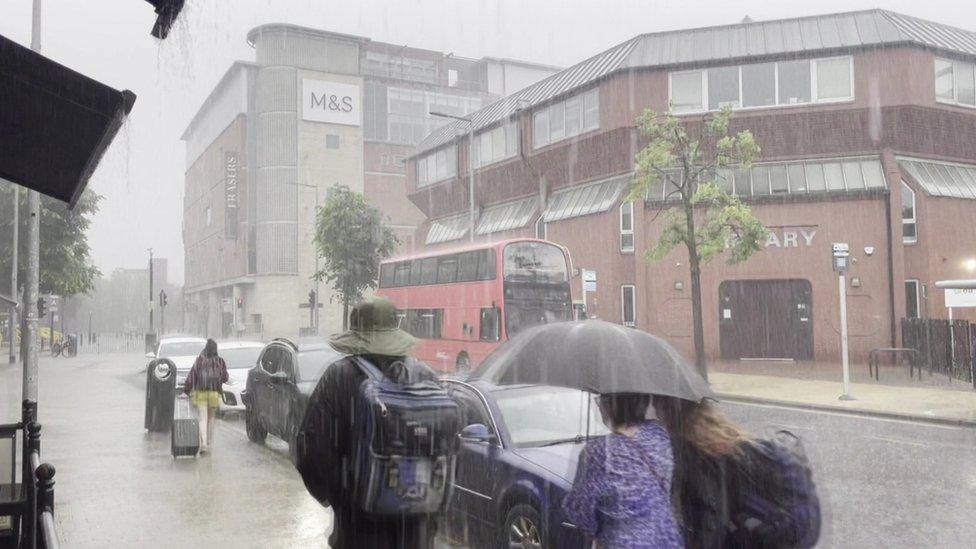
pixel 776 503
pixel 407 446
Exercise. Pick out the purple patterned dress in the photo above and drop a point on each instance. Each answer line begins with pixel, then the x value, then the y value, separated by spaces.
pixel 621 495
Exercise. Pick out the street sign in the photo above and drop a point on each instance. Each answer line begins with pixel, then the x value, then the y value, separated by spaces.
pixel 959 297
pixel 841 256
pixel 589 281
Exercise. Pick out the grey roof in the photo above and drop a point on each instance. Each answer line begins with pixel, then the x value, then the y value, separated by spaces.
pixel 942 178
pixel 803 35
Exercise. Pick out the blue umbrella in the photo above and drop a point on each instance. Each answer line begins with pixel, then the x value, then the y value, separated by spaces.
pixel 595 356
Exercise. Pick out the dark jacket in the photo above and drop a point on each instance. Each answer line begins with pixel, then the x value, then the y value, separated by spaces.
pixel 326 444
pixel 207 374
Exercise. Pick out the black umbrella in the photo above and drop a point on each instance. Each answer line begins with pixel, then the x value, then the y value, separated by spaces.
pixel 594 356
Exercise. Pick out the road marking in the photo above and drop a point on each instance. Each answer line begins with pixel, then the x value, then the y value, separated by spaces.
pixel 898 441
pixel 849 415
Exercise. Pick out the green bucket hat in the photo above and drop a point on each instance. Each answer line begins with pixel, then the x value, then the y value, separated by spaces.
pixel 373 331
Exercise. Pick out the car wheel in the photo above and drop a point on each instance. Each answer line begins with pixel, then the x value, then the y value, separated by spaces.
pixel 523 528
pixel 463 363
pixel 255 431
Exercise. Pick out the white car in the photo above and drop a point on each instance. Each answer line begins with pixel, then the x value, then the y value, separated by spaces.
pixel 181 351
pixel 240 357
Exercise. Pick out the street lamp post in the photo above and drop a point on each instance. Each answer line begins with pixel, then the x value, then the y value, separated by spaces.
pixel 470 165
pixel 14 294
pixel 314 314
pixel 29 333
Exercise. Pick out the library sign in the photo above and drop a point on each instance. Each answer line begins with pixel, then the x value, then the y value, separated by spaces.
pixel 331 102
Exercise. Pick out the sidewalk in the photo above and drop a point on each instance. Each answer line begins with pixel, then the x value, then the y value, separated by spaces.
pixel 920 403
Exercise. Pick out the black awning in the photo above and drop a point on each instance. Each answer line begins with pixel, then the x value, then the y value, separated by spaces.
pixel 55 123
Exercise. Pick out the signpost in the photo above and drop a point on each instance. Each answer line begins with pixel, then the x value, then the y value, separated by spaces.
pixel 589 285
pixel 841 258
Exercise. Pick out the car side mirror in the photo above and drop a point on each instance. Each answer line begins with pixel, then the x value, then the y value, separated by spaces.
pixel 150 355
pixel 476 432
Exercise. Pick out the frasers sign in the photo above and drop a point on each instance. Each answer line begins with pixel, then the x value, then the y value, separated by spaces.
pixel 331 102
pixel 960 297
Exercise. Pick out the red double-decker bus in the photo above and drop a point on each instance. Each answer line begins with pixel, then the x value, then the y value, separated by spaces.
pixel 462 303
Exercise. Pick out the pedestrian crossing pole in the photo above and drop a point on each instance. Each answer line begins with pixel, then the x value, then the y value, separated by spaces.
pixel 841 260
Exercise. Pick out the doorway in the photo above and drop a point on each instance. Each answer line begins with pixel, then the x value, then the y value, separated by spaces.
pixel 766 319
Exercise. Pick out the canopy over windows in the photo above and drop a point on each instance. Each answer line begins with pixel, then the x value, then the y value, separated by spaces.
pixel 448 228
pixel 508 216
pixel 942 178
pixel 586 199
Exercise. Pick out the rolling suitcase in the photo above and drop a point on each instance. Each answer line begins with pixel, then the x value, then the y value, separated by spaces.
pixel 185 433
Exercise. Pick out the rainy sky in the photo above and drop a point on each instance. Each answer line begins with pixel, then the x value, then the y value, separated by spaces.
pixel 141 176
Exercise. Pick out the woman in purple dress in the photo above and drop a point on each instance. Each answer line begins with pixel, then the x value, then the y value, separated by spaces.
pixel 622 493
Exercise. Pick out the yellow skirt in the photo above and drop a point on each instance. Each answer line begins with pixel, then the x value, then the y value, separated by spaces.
pixel 211 399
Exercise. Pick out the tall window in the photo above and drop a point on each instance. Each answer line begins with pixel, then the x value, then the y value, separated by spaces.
pixel 909 218
pixel 208 213
pixel 627 227
pixel 540 228
pixel 913 305
pixel 576 115
pixel 437 166
pixel 762 85
pixel 496 144
pixel 627 308
pixel 955 82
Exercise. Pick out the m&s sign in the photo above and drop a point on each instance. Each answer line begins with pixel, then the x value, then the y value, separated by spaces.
pixel 331 102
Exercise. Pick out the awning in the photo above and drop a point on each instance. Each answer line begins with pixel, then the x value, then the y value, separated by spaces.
pixel 55 123
pixel 941 178
pixel 448 228
pixel 508 216
pixel 586 199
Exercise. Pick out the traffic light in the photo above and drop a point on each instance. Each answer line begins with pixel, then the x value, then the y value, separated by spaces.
pixel 240 303
pixel 41 307
pixel 311 298
pixel 163 298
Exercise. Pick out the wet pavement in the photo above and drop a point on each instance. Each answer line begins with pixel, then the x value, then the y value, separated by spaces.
pixel 906 483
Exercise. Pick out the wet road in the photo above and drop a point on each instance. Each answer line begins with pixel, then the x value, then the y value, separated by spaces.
pixel 882 482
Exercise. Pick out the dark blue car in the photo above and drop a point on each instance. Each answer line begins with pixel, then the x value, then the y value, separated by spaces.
pixel 518 457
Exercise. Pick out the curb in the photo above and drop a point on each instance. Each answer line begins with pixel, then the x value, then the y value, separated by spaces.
pixel 730 397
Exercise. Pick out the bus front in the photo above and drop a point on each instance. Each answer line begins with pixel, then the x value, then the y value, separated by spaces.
pixel 535 277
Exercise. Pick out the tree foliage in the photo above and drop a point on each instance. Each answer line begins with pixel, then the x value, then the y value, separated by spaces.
pixel 687 160
pixel 351 238
pixel 66 266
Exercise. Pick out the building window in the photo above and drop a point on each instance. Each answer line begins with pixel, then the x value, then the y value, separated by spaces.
pixel 409 120
pixel 909 218
pixel 495 145
pixel 762 85
pixel 331 141
pixel 913 303
pixel 627 307
pixel 540 228
pixel 437 166
pixel 452 77
pixel 955 82
pixel 208 214
pixel 398 160
pixel 627 227
pixel 565 119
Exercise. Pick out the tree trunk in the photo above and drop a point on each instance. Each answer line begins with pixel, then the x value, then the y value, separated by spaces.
pixel 694 264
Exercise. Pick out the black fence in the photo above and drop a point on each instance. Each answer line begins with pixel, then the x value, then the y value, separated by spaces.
pixel 30 502
pixel 943 346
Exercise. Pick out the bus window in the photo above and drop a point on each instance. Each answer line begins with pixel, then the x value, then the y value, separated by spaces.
pixel 490 325
pixel 535 261
pixel 386 275
pixel 468 266
pixel 424 323
pixel 447 269
pixel 486 265
pixel 429 271
pixel 402 275
pixel 415 272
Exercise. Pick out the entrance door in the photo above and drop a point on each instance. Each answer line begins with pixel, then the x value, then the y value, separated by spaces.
pixel 766 319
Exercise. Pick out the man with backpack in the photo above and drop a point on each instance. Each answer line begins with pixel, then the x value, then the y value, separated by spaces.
pixel 379 439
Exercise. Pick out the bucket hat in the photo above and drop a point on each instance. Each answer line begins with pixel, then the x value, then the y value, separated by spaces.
pixel 373 330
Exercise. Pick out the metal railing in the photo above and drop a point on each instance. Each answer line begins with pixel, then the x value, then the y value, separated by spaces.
pixel 30 503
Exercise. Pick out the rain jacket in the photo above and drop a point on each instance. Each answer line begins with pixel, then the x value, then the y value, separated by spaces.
pixel 325 446
pixel 207 374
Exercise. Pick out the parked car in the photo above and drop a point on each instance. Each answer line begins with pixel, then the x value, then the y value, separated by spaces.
pixel 279 386
pixel 517 461
pixel 180 351
pixel 240 357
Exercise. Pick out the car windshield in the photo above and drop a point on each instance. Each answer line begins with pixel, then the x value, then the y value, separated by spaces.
pixel 540 415
pixel 240 357
pixel 311 364
pixel 180 348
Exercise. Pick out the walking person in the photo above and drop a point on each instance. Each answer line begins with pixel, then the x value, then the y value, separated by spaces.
pixel 203 384
pixel 334 449
pixel 622 493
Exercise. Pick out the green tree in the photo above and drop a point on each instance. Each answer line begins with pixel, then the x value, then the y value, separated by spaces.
pixel 352 239
pixel 687 159
pixel 66 267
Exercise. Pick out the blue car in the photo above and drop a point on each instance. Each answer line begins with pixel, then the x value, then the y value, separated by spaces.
pixel 517 461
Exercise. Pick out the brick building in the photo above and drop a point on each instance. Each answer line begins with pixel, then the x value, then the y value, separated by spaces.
pixel 313 110
pixel 867 123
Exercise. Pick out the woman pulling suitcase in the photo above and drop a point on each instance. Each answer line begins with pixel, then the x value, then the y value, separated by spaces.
pixel 203 385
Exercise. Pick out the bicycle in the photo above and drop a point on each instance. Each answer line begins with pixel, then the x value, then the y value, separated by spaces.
pixel 67 348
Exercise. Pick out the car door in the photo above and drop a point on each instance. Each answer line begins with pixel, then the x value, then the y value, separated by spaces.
pixel 259 386
pixel 282 393
pixel 475 482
